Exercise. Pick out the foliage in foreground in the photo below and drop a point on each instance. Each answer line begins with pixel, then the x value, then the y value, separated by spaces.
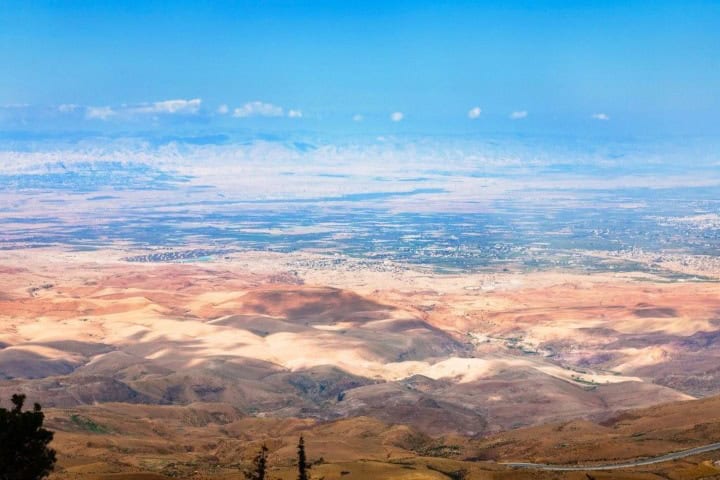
pixel 24 451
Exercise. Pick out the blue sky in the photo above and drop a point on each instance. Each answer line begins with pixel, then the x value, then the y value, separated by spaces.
pixel 606 66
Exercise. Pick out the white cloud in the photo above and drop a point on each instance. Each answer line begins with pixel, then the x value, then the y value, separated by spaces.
pixel 358 118
pixel 397 116
pixel 179 106
pixel 68 107
pixel 16 105
pixel 295 113
pixel 519 115
pixel 258 109
pixel 101 113
pixel 165 107
pixel 601 116
pixel 223 109
pixel 474 113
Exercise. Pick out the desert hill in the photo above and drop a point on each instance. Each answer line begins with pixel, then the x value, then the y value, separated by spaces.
pixel 102 441
pixel 630 434
pixel 491 359
pixel 171 368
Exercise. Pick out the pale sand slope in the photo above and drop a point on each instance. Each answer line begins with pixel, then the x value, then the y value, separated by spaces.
pixel 82 327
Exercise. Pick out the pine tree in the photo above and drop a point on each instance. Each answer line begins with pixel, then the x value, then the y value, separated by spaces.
pixel 302 460
pixel 259 465
pixel 24 451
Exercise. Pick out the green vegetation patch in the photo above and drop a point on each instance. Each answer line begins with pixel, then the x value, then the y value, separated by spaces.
pixel 87 424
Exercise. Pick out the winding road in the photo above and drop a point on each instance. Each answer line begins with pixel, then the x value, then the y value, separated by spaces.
pixel 626 464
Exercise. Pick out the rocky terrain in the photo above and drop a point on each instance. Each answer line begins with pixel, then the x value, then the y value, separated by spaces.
pixel 423 358
pixel 216 440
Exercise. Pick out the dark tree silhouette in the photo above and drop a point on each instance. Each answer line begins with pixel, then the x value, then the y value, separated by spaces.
pixel 259 465
pixel 302 460
pixel 24 451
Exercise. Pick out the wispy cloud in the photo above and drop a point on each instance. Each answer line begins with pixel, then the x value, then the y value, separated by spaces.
pixel 388 157
pixel 601 116
pixel 474 113
pixel 100 113
pixel 13 106
pixel 397 116
pixel 258 109
pixel 519 115
pixel 358 118
pixel 68 108
pixel 165 107
pixel 178 106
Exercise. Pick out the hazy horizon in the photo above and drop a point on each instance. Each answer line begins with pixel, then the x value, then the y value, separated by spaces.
pixel 465 240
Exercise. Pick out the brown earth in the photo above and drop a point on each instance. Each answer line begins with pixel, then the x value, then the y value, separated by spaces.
pixel 461 357
pixel 217 441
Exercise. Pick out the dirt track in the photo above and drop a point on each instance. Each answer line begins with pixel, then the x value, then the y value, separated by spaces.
pixel 626 464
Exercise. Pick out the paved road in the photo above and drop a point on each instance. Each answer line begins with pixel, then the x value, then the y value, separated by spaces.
pixel 614 466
